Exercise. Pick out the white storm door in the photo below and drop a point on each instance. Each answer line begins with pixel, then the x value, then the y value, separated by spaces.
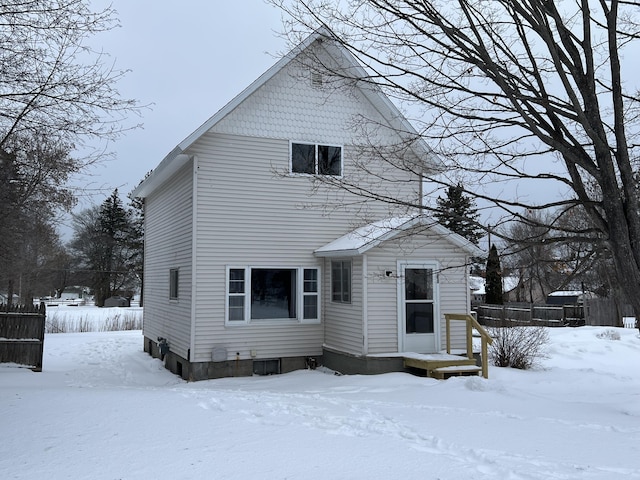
pixel 419 313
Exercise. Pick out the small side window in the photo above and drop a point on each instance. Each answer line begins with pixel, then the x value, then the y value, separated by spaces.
pixel 341 281
pixel 310 294
pixel 237 294
pixel 173 283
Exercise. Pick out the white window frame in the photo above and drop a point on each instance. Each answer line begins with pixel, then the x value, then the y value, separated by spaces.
pixel 315 167
pixel 300 295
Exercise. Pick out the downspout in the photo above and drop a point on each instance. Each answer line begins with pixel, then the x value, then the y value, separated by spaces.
pixel 467 275
pixel 365 305
pixel 194 264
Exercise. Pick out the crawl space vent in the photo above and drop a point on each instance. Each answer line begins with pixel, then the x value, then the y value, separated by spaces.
pixel 266 367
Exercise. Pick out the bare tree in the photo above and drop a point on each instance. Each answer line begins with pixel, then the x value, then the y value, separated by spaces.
pixel 57 98
pixel 105 244
pixel 511 90
pixel 32 187
pixel 532 258
pixel 52 83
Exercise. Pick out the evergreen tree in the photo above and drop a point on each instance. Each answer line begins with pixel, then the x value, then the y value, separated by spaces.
pixel 136 241
pixel 493 282
pixel 459 214
pixel 102 240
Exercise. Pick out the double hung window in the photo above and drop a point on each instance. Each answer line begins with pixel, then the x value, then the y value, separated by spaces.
pixel 341 281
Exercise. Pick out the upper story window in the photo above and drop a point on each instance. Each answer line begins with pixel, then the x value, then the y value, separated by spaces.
pixel 314 159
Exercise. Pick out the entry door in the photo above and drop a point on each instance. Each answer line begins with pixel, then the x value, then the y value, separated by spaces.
pixel 419 319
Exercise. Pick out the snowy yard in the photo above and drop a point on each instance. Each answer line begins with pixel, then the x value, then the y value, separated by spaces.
pixel 103 409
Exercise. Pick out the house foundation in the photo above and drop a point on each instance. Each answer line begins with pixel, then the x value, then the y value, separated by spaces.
pixel 196 371
pixel 360 365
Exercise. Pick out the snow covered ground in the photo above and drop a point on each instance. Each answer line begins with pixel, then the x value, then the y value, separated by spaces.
pixel 103 409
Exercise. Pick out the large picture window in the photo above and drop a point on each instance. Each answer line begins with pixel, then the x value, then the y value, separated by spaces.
pixel 341 281
pixel 272 294
pixel 315 159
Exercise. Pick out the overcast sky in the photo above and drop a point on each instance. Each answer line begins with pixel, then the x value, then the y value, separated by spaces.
pixel 187 60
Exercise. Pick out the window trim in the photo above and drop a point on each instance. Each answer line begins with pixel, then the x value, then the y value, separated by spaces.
pixel 174 284
pixel 316 159
pixel 246 295
pixel 342 300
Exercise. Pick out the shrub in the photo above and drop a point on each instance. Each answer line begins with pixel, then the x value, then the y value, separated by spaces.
pixel 609 335
pixel 73 322
pixel 122 322
pixel 517 346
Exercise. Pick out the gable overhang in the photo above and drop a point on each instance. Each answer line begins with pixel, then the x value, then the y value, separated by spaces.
pixel 163 172
pixel 372 92
pixel 363 239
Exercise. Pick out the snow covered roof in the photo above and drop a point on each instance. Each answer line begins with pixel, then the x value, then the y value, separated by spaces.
pixel 477 284
pixel 369 236
pixel 566 293
pixel 177 158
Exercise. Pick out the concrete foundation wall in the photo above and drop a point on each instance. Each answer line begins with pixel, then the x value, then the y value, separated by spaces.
pixel 195 371
pixel 360 365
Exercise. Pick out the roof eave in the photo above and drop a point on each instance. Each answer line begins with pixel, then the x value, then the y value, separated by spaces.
pixel 338 253
pixel 167 168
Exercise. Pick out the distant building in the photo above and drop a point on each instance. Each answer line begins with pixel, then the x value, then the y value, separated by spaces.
pixel 568 297
pixel 75 294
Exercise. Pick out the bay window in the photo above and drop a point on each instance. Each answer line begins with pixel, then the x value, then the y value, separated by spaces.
pixel 258 294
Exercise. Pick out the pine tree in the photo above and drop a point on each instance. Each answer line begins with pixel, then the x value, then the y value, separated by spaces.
pixel 493 282
pixel 459 214
pixel 114 229
pixel 102 240
pixel 136 240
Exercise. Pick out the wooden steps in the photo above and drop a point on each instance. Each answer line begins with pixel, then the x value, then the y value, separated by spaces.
pixel 441 365
pixel 443 373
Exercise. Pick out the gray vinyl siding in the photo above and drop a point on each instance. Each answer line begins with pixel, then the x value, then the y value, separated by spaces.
pixel 343 321
pixel 168 228
pixel 383 290
pixel 255 218
pixel 250 212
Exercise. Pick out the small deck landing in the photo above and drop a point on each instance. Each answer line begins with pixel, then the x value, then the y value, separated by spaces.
pixel 441 365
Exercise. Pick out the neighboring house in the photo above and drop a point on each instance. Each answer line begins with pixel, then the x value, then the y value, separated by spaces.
pixel 4 297
pixel 74 294
pixel 510 285
pixel 253 266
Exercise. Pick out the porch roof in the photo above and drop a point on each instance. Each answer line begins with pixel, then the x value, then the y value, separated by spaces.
pixel 363 239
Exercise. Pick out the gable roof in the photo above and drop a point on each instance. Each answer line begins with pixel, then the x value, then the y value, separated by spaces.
pixel 365 238
pixel 176 158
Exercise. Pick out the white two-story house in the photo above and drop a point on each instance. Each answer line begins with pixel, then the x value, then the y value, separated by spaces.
pixel 258 260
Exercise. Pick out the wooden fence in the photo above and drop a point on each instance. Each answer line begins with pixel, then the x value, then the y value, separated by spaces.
pixel 22 335
pixel 596 312
pixel 606 312
pixel 531 314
